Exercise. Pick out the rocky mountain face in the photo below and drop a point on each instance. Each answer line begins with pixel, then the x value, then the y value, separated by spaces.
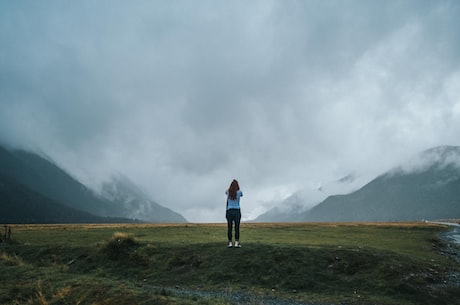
pixel 426 187
pixel 33 189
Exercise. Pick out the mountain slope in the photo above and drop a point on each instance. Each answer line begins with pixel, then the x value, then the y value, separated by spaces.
pixel 286 211
pixel 19 204
pixel 45 177
pixel 37 175
pixel 136 203
pixel 427 187
pixel 291 208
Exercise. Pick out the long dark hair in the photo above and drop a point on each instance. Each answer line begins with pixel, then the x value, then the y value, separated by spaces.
pixel 233 189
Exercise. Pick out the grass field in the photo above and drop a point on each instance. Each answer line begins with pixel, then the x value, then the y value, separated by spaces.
pixel 369 263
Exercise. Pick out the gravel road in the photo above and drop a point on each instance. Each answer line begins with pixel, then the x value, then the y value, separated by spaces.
pixel 239 297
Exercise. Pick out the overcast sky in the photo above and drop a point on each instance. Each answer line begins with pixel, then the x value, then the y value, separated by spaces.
pixel 184 96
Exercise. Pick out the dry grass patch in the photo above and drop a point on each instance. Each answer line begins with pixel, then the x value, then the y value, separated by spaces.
pixel 11 259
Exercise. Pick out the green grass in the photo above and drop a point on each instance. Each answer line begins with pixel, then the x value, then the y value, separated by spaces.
pixel 141 264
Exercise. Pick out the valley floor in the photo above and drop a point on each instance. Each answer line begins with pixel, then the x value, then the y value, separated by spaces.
pixel 286 264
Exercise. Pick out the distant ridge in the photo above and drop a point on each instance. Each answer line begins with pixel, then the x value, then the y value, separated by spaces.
pixel 19 204
pixel 46 178
pixel 425 187
pixel 136 203
pixel 29 182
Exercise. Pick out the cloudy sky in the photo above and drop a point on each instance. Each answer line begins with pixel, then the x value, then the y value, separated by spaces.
pixel 184 96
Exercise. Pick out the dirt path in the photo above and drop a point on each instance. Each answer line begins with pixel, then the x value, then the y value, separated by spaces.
pixel 235 297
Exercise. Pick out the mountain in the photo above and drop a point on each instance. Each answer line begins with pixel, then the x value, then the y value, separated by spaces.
pixel 19 204
pixel 426 187
pixel 293 207
pixel 286 211
pixel 136 204
pixel 46 178
pixel 40 181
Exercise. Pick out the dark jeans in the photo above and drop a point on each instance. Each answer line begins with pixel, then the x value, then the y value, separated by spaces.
pixel 233 216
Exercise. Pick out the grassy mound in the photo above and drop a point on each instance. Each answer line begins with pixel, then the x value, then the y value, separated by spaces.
pixel 348 273
pixel 120 246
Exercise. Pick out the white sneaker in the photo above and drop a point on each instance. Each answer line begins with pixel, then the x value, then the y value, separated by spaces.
pixel 230 245
pixel 237 244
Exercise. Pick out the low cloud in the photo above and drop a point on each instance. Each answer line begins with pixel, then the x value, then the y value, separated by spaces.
pixel 183 97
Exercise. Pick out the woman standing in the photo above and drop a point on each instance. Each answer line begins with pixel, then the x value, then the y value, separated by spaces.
pixel 233 213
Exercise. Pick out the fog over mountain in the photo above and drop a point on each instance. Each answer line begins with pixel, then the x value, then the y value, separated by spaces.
pixel 136 204
pixel 34 189
pixel 291 208
pixel 426 186
pixel 184 96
